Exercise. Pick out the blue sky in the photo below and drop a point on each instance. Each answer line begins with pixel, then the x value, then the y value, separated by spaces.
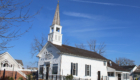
pixel 115 22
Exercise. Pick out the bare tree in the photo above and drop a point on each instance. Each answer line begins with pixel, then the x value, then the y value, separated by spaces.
pixel 66 42
pixel 38 44
pixel 81 46
pixel 124 62
pixel 12 14
pixel 32 64
pixel 93 46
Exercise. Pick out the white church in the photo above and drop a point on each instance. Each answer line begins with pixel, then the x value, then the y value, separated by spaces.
pixel 56 59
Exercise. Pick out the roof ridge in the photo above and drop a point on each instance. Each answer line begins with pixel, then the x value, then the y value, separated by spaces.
pixel 85 50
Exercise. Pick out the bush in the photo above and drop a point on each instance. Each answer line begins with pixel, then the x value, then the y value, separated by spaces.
pixel 11 78
pixel 5 78
pixel 20 78
pixel 69 77
pixel 30 77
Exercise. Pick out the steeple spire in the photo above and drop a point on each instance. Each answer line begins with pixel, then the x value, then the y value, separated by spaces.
pixel 56 19
pixel 55 35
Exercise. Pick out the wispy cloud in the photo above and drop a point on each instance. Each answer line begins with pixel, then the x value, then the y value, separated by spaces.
pixel 49 8
pixel 102 3
pixel 83 15
pixel 97 29
pixel 106 44
pixel 116 52
pixel 75 14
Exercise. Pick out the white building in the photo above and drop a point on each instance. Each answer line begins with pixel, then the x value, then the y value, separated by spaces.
pixel 116 72
pixel 9 63
pixel 58 59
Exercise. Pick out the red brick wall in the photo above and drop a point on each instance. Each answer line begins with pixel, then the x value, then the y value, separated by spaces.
pixel 11 74
pixel 27 72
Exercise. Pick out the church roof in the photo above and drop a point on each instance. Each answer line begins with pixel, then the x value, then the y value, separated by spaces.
pixel 19 61
pixel 85 53
pixel 56 19
pixel 79 52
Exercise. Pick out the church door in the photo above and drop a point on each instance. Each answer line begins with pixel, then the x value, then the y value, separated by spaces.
pixel 99 75
pixel 47 71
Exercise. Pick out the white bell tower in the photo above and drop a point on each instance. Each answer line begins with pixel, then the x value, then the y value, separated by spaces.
pixel 55 35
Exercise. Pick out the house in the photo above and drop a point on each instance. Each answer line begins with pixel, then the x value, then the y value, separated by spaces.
pixel 56 59
pixel 136 73
pixel 9 63
pixel 12 66
pixel 116 72
pixel 131 69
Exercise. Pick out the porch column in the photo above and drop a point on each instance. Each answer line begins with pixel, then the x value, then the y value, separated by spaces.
pixel 44 72
pixel 121 76
pixel 115 75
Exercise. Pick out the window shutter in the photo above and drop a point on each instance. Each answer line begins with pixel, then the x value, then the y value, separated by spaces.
pixel 85 70
pixel 90 70
pixel 71 68
pixel 76 69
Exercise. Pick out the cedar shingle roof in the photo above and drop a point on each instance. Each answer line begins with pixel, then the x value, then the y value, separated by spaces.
pixel 79 52
pixel 115 66
pixel 19 61
pixel 86 53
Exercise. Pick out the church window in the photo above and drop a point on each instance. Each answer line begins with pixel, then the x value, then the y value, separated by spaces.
pixel 104 63
pixel 57 29
pixel 74 69
pixel 87 70
pixel 41 69
pixel 55 69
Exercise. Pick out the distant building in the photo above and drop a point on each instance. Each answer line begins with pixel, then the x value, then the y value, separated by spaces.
pixel 116 72
pixel 33 68
pixel 8 62
pixel 57 59
pixel 136 73
pixel 12 66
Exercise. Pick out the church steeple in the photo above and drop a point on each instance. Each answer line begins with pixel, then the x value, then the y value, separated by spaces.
pixel 56 19
pixel 55 35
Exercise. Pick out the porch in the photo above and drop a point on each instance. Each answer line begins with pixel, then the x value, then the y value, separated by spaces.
pixel 118 75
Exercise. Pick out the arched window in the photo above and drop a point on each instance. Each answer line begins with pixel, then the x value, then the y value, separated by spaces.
pixel 5 65
pixel 11 65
